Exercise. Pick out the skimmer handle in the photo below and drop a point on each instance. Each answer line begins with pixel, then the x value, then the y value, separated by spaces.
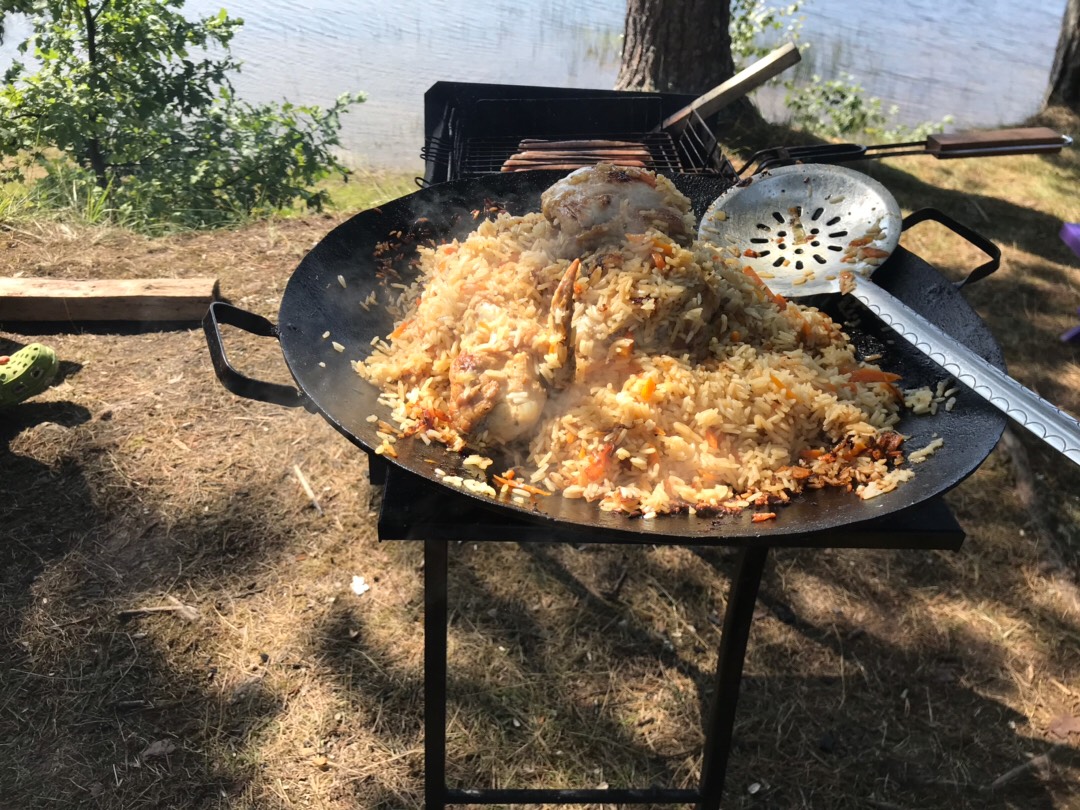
pixel 1055 427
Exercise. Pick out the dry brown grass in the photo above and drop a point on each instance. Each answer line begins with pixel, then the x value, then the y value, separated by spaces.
pixel 874 678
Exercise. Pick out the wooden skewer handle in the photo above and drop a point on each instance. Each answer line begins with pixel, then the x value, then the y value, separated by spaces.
pixel 1023 140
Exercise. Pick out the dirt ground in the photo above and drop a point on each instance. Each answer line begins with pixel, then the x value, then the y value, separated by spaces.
pixel 178 627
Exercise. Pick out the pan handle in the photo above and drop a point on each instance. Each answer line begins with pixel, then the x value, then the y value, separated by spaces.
pixel 239 384
pixel 974 237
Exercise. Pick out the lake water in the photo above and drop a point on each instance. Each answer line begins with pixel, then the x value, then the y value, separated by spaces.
pixel 985 63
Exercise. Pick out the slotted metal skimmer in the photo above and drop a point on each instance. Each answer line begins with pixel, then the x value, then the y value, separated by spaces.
pixel 799 226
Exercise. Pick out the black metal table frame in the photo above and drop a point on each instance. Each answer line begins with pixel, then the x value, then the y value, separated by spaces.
pixel 418 510
pixel 929 526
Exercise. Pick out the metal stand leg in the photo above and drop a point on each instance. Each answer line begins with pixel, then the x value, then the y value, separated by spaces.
pixel 729 668
pixel 435 622
pixel 736 633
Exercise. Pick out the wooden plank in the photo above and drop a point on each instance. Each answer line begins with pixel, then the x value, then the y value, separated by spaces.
pixel 152 299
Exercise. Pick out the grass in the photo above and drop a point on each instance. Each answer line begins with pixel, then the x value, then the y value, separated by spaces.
pixel 366 188
pixel 15 202
pixel 874 678
pixel 22 202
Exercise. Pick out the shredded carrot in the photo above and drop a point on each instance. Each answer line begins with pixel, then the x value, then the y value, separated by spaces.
pixel 862 240
pixel 658 261
pixel 761 517
pixel 400 330
pixel 647 389
pixel 509 482
pixel 783 388
pixel 752 254
pixel 598 466
pixel 875 253
pixel 712 439
pixel 872 375
pixel 812 453
pixel 748 270
pixel 779 300
pixel 663 247
pixel 858 447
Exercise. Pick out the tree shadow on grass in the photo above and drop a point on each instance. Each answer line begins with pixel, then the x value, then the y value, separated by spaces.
pixel 509 700
pixel 866 719
pixel 905 715
pixel 888 726
pixel 916 725
pixel 92 714
pixel 825 742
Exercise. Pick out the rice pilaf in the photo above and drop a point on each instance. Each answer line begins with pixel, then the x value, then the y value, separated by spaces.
pixel 642 374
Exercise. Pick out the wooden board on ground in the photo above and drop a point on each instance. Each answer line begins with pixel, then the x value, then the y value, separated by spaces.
pixel 151 299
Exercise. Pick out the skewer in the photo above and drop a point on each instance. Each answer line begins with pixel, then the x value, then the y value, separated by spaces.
pixel 307 488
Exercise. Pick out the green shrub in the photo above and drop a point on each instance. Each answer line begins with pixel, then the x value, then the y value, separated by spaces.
pixel 839 108
pixel 833 108
pixel 750 19
pixel 126 120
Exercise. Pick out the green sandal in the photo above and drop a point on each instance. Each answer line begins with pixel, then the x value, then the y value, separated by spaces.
pixel 26 373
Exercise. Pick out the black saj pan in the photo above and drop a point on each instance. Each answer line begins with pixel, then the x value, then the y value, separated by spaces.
pixel 333 288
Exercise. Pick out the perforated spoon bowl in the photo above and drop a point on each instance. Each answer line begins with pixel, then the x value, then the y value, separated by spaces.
pixel 801 227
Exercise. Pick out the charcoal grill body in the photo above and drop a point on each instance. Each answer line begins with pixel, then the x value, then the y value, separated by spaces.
pixel 470 129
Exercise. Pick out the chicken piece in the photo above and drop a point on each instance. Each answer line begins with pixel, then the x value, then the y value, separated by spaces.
pixel 603 203
pixel 496 392
pixel 473 391
pixel 560 358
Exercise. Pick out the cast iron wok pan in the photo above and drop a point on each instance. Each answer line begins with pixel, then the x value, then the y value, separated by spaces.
pixel 329 291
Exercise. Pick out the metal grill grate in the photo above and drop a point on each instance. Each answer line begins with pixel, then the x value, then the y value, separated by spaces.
pixel 486 155
pixel 476 138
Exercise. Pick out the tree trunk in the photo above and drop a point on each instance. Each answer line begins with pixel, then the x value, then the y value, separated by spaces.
pixel 676 46
pixel 93 144
pixel 1065 74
